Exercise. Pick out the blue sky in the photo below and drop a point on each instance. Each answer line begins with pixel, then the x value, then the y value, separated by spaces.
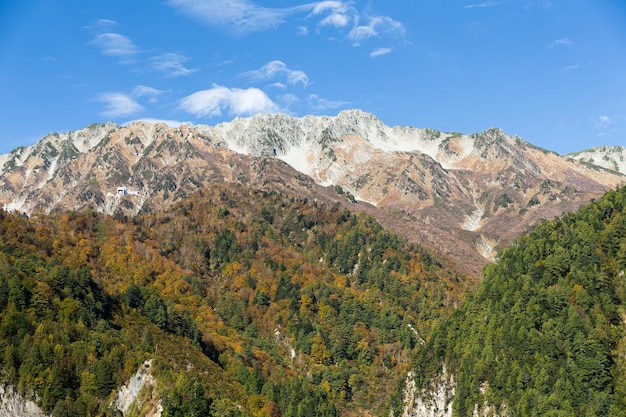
pixel 552 72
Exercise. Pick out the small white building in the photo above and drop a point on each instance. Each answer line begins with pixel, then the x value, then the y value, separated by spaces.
pixel 125 191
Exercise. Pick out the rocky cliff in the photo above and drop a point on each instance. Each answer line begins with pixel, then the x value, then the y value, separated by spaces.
pixel 13 404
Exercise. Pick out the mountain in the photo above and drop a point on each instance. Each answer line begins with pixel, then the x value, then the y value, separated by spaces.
pixel 464 195
pixel 232 302
pixel 543 334
pixel 609 157
pixel 276 266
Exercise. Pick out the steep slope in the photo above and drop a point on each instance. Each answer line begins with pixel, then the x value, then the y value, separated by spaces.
pixel 544 332
pixel 609 157
pixel 268 303
pixel 465 195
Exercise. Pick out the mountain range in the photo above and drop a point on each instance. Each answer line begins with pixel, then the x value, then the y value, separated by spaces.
pixel 287 267
pixel 465 195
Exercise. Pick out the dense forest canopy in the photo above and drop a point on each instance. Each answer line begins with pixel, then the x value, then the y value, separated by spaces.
pixel 249 302
pixel 543 334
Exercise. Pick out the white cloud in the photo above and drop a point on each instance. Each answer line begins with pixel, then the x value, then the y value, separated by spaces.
pixel 119 104
pixel 319 103
pixel 336 20
pixel 214 101
pixel 102 25
pixel 488 3
pixel 561 42
pixel 105 24
pixel 240 15
pixel 115 44
pixel 570 68
pixel 380 52
pixel 322 6
pixel 123 104
pixel 275 68
pixel 289 99
pixel 172 65
pixel 602 122
pixel 151 93
pixel 339 14
pixel 244 17
pixel 376 26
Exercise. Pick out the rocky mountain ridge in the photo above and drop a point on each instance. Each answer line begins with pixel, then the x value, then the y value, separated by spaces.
pixel 463 194
pixel 609 157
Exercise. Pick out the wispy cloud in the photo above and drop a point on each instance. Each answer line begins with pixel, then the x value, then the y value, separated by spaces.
pixel 277 68
pixel 488 3
pixel 336 19
pixel 570 68
pixel 339 14
pixel 172 65
pixel 119 104
pixel 289 99
pixel 602 122
pixel 244 17
pixel 240 15
pixel 319 103
pixel 105 25
pixel 380 52
pixel 151 93
pixel 110 42
pixel 376 27
pixel 238 102
pixel 115 44
pixel 561 42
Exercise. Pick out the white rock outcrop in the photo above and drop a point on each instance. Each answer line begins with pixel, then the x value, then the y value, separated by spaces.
pixel 129 393
pixel 436 401
pixel 13 404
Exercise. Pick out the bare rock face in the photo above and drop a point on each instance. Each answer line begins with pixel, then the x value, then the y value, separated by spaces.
pixel 12 404
pixel 463 195
pixel 436 401
pixel 128 396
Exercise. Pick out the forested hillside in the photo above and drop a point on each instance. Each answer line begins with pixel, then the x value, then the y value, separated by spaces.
pixel 249 303
pixel 543 335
